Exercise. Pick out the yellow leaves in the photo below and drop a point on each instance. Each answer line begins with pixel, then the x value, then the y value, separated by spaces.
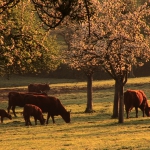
pixel 29 61
pixel 1 40
pixel 38 54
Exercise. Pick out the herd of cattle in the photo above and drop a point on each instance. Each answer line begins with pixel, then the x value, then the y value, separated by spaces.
pixel 35 102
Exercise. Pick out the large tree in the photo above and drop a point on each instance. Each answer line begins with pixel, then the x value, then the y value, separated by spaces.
pixel 52 13
pixel 118 39
pixel 125 38
pixel 25 46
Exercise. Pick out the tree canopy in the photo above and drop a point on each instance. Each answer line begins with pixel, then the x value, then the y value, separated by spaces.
pixel 25 46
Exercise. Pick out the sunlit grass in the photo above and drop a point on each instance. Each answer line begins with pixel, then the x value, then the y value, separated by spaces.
pixel 87 131
pixel 21 81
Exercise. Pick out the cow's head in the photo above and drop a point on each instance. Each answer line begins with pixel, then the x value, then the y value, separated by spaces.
pixel 66 117
pixel 47 87
pixel 42 120
pixel 9 116
pixel 147 111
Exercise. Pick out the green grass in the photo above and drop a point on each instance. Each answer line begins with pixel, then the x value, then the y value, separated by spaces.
pixel 87 131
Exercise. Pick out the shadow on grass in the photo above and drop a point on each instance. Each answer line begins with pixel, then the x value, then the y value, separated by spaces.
pixel 105 119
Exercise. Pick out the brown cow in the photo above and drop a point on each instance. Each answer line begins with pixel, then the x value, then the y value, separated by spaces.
pixel 137 99
pixel 17 99
pixel 36 112
pixel 3 114
pixel 49 104
pixel 38 88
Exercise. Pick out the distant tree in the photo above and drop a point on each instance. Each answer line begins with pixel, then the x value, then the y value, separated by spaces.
pixel 79 41
pixel 76 57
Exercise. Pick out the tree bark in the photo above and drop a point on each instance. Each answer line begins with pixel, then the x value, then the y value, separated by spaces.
pixel 89 107
pixel 121 102
pixel 115 105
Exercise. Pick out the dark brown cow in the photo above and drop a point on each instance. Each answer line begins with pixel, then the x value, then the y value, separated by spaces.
pixel 17 99
pixel 36 112
pixel 49 104
pixel 137 99
pixel 3 114
pixel 38 88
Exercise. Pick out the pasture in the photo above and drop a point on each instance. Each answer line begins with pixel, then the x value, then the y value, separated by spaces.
pixel 94 131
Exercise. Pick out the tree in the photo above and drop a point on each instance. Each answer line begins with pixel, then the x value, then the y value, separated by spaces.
pixel 124 37
pixel 76 57
pixel 118 40
pixel 25 46
pixel 79 41
pixel 53 13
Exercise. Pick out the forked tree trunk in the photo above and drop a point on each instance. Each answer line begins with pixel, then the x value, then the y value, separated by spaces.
pixel 118 107
pixel 89 107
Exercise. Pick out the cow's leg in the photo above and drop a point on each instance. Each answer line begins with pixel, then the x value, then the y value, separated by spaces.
pixel 136 110
pixel 48 116
pixel 127 112
pixel 143 112
pixel 1 119
pixel 53 118
pixel 13 109
pixel 26 121
pixel 29 122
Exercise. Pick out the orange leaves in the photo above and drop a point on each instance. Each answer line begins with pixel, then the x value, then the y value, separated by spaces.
pixel 117 38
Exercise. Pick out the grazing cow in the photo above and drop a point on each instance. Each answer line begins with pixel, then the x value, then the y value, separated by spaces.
pixel 17 99
pixel 3 114
pixel 38 88
pixel 137 99
pixel 49 104
pixel 36 112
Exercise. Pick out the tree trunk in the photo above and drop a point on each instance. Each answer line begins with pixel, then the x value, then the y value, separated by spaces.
pixel 121 102
pixel 131 74
pixel 115 105
pixel 89 107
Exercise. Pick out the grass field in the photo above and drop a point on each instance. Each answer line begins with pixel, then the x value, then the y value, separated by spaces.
pixel 94 131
